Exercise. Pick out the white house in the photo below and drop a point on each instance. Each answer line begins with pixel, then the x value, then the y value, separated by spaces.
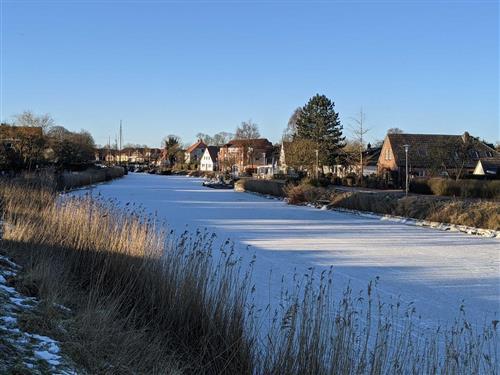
pixel 488 167
pixel 209 159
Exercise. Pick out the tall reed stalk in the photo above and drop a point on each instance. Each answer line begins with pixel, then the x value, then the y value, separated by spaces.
pixel 147 301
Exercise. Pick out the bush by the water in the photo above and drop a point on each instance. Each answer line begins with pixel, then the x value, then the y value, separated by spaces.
pixel 305 193
pixel 487 189
pixel 473 213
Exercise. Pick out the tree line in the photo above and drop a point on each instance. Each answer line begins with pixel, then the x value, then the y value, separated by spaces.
pixel 34 141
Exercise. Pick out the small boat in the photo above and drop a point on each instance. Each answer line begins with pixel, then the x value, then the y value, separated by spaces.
pixel 218 184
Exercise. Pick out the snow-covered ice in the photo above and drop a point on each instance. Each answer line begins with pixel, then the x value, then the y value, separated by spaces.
pixel 436 270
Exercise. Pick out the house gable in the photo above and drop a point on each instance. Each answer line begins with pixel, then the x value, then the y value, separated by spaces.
pixel 386 159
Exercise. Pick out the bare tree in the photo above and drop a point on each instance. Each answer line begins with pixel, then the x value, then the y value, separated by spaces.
pixel 28 118
pixel 205 138
pixel 247 130
pixel 359 130
pixel 453 156
pixel 31 142
pixel 222 138
pixel 350 155
pixel 300 154
pixel 217 139
pixel 291 128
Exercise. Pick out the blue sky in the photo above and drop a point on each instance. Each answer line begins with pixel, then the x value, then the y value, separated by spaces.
pixel 172 67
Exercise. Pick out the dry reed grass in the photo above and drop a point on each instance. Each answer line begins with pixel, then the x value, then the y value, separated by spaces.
pixel 72 180
pixel 474 213
pixel 144 301
pixel 485 189
pixel 304 193
pixel 139 305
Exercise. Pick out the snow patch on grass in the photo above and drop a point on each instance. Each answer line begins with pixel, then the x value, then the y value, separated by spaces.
pixel 33 352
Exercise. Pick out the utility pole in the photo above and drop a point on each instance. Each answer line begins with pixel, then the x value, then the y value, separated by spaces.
pixel 362 146
pixel 120 140
pixel 109 151
pixel 406 169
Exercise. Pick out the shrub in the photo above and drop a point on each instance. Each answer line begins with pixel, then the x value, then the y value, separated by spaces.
pixel 316 182
pixel 279 176
pixel 479 214
pixel 304 193
pixel 462 188
pixel 420 187
pixel 336 180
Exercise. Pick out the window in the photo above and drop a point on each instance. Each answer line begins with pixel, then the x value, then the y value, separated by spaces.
pixel 388 154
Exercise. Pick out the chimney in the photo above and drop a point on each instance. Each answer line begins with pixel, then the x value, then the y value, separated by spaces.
pixel 466 137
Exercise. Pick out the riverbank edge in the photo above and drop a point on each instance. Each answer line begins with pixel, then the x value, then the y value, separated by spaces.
pixel 482 232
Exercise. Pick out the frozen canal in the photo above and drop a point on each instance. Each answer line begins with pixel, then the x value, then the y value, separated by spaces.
pixel 434 269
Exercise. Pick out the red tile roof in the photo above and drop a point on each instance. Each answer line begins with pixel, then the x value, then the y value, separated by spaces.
pixel 196 145
pixel 256 143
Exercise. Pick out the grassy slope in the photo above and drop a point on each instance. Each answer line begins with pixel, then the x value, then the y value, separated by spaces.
pixel 470 212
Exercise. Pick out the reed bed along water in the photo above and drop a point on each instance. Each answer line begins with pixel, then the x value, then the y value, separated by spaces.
pixel 143 300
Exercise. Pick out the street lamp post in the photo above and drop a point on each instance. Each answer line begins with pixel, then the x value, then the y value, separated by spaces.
pixel 406 169
pixel 251 156
pixel 317 163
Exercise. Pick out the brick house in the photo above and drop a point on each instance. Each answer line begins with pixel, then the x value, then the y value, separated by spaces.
pixel 11 135
pixel 431 155
pixel 239 155
pixel 194 152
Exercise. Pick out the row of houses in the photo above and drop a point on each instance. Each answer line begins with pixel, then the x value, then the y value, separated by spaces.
pixel 240 155
pixel 427 154
pixel 130 155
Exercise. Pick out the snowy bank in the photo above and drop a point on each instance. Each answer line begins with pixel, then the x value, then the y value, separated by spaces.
pixel 31 352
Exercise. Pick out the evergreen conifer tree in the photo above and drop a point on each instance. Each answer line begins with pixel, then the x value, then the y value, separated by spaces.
pixel 319 123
